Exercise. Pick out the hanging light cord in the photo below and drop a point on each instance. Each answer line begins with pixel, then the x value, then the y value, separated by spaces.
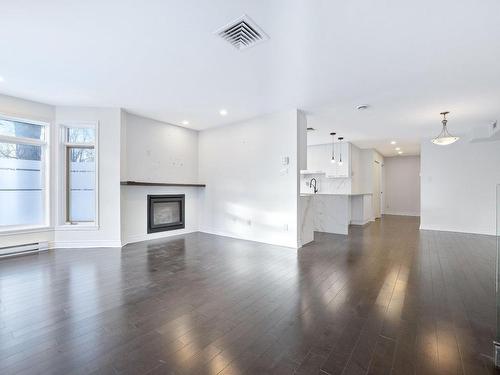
pixel 333 146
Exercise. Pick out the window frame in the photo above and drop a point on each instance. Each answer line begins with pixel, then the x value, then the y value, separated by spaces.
pixel 45 170
pixel 65 223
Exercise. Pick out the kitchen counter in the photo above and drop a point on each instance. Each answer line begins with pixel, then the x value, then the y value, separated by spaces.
pixel 333 213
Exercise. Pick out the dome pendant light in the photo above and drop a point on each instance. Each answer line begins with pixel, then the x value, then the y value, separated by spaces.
pixel 333 147
pixel 444 138
pixel 340 150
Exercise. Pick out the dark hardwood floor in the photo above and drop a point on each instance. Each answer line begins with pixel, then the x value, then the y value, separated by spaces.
pixel 387 299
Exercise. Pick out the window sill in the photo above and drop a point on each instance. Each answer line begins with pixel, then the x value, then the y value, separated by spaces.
pixel 25 230
pixel 77 227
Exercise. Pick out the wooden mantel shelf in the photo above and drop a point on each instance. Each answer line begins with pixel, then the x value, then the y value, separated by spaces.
pixel 141 183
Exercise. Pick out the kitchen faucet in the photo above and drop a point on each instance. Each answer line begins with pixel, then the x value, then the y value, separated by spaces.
pixel 313 186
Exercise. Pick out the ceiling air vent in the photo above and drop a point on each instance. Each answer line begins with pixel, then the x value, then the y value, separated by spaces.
pixel 242 33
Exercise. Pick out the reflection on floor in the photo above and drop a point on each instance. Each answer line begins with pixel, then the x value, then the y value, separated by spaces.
pixel 386 299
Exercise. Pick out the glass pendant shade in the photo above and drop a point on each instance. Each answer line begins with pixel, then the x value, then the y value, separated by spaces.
pixel 333 148
pixel 444 138
pixel 340 150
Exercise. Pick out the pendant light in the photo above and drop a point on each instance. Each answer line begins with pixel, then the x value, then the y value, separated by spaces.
pixel 340 150
pixel 444 138
pixel 333 147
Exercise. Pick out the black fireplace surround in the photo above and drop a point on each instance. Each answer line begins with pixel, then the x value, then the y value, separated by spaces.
pixel 166 212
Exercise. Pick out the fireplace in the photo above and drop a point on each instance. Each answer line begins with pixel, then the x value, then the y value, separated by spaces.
pixel 165 212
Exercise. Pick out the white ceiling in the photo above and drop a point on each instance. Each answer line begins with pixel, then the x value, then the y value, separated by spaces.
pixel 408 59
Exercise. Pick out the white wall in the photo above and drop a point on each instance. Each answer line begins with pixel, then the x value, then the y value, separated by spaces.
pixel 108 232
pixel 249 193
pixel 161 152
pixel 378 184
pixel 356 170
pixel 123 146
pixel 402 185
pixel 305 214
pixel 16 107
pixel 458 186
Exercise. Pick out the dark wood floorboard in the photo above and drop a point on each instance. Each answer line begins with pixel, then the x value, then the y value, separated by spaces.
pixel 387 299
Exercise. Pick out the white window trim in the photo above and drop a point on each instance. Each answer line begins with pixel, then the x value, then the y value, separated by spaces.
pixel 25 229
pixel 45 159
pixel 62 223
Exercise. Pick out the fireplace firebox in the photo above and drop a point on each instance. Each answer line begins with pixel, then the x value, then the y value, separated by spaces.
pixel 165 212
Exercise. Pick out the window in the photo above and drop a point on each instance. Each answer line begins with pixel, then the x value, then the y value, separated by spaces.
pixel 80 172
pixel 23 184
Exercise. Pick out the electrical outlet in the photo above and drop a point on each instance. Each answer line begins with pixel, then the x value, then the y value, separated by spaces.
pixel 285 160
pixel 285 227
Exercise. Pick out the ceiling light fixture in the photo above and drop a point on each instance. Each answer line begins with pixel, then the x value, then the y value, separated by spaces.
pixel 393 142
pixel 398 148
pixel 444 138
pixel 185 122
pixel 223 112
pixel 362 107
pixel 1 79
pixel 333 147
pixel 400 152
pixel 340 150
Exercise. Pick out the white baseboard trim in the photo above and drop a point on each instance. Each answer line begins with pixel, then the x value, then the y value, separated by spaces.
pixel 83 244
pixel 402 213
pixel 154 236
pixel 360 222
pixel 230 235
pixel 454 230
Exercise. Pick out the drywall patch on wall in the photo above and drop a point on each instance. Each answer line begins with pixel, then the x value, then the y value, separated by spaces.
pixel 160 152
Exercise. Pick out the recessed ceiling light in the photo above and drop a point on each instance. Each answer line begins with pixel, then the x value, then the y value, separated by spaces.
pixel 1 79
pixel 393 142
pixel 362 107
pixel 400 152
pixel 223 112
pixel 185 122
pixel 398 148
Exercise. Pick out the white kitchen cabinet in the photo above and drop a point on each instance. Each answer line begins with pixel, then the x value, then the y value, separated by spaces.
pixel 319 159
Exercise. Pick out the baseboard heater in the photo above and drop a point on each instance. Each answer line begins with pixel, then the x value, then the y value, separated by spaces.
pixel 30 248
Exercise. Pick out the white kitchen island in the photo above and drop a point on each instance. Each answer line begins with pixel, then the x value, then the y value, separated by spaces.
pixel 333 213
pixel 334 196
